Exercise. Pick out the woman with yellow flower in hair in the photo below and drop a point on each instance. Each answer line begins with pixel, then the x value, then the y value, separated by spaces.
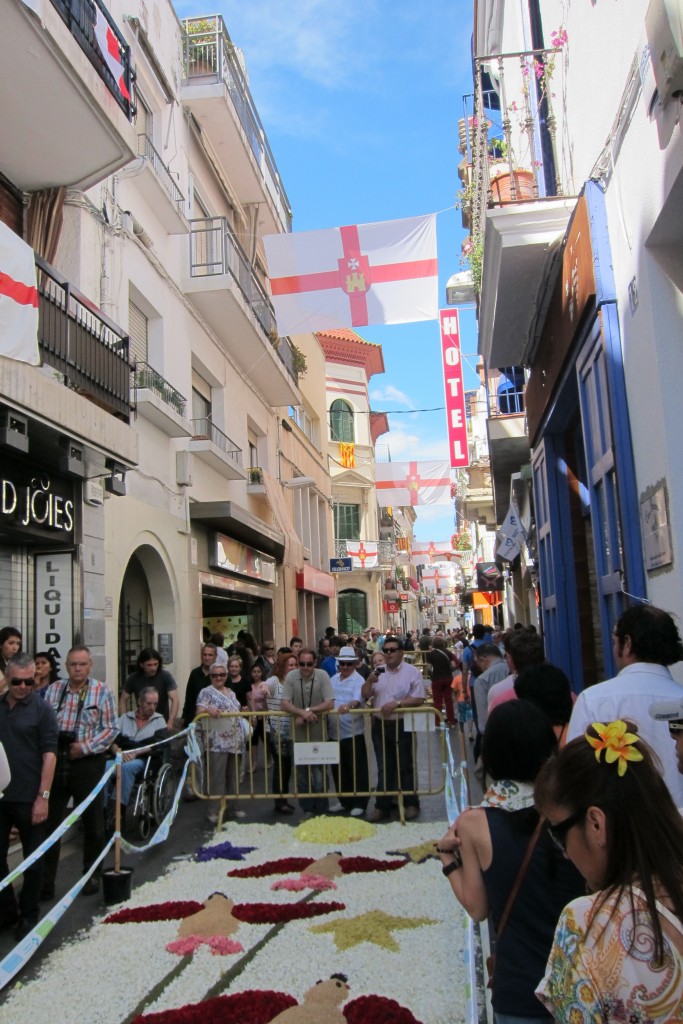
pixel 617 956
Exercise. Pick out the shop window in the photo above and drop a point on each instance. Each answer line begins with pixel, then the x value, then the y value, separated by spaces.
pixel 341 422
pixel 352 612
pixel 347 522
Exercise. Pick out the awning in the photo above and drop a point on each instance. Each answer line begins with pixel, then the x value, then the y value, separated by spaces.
pixel 486 599
pixel 294 552
pixel 231 519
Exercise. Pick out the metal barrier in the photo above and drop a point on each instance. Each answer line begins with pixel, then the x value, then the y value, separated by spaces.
pixel 381 746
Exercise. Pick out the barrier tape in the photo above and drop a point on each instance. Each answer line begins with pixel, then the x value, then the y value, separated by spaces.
pixel 25 949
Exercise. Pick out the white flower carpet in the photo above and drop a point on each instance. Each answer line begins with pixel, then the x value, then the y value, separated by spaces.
pixel 222 937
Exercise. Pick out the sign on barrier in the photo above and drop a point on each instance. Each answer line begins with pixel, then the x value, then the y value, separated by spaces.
pixel 321 752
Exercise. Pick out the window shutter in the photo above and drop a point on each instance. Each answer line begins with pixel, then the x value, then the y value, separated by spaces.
pixel 201 386
pixel 137 331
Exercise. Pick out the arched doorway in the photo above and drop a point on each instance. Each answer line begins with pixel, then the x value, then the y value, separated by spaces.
pixel 352 611
pixel 146 608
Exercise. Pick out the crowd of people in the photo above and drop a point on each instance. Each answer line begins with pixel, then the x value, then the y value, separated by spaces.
pixel 574 854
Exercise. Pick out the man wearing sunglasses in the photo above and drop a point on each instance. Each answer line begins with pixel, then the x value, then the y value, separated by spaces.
pixel 671 712
pixel 306 693
pixel 28 732
pixel 399 687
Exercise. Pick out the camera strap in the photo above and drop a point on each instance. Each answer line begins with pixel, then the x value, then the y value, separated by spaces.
pixel 82 694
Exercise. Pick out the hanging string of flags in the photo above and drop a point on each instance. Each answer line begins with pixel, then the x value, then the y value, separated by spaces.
pixel 354 276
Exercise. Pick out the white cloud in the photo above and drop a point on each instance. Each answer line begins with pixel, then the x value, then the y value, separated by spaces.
pixel 405 445
pixel 388 393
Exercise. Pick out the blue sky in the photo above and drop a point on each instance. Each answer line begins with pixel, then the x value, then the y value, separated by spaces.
pixel 360 102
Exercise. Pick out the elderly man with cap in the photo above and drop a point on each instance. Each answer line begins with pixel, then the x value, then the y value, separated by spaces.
pixel 352 773
pixel 671 712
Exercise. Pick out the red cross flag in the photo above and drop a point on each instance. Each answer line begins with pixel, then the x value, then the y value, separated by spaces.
pixel 412 483
pixel 363 553
pixel 111 51
pixel 427 552
pixel 18 299
pixel 353 276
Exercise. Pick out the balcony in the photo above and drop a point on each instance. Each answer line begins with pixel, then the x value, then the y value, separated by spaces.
pixel 158 401
pixel 86 349
pixel 70 122
pixel 516 195
pixel 215 89
pixel 215 448
pixel 160 190
pixel 385 554
pixel 507 432
pixel 227 292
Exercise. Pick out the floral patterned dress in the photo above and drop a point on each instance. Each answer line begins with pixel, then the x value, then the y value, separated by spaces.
pixel 609 976
pixel 225 735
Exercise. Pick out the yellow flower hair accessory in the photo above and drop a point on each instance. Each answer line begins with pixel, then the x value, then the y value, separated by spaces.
pixel 617 742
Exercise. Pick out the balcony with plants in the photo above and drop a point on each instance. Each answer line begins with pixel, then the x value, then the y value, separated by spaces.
pixel 158 401
pixel 506 428
pixel 68 69
pixel 226 289
pixel 517 190
pixel 216 89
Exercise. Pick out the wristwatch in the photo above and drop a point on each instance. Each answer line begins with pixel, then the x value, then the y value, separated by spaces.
pixel 45 794
pixel 448 869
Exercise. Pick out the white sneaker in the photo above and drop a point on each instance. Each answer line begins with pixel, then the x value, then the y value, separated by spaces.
pixel 212 819
pixel 335 807
pixel 357 812
pixel 240 814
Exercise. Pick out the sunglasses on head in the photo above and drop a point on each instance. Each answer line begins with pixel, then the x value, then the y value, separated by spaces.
pixel 675 727
pixel 307 664
pixel 20 682
pixel 558 833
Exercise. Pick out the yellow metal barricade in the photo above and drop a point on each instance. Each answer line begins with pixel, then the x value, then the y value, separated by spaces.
pixel 411 733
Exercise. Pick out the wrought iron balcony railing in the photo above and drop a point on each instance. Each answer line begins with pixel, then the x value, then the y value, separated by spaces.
pixel 215 250
pixel 209 51
pixel 145 376
pixel 505 391
pixel 88 350
pixel 166 179
pixel 80 16
pixel 382 453
pixel 204 430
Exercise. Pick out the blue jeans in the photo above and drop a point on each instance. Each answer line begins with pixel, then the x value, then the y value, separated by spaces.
pixel 130 771
pixel 506 1018
pixel 310 778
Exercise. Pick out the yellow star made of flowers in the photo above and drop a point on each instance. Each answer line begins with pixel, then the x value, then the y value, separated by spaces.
pixel 617 742
pixel 417 854
pixel 375 927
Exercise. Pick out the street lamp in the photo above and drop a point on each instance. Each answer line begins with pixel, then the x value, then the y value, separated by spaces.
pixel 460 289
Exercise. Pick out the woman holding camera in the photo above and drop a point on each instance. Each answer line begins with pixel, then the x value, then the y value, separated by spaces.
pixel 618 953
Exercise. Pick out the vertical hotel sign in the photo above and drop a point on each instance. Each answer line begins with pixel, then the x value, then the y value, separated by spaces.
pixel 456 422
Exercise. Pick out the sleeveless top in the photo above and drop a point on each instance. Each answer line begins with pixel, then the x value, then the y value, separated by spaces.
pixel 549 884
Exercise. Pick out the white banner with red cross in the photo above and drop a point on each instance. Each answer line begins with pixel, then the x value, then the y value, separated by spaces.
pixel 353 276
pixel 428 552
pixel 412 483
pixel 18 299
pixel 363 553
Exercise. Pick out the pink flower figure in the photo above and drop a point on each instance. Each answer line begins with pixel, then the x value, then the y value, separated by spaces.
pixel 317 882
pixel 220 945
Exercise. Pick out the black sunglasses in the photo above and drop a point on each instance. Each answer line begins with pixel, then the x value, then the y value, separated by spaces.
pixel 558 833
pixel 675 728
pixel 307 664
pixel 390 650
pixel 20 682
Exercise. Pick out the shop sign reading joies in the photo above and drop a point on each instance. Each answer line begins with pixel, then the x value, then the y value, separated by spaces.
pixel 35 501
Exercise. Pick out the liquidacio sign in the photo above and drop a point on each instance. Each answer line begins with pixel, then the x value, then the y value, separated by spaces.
pixel 34 501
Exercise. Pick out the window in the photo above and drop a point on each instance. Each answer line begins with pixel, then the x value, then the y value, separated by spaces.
pixel 352 615
pixel 143 117
pixel 298 414
pixel 138 326
pixel 201 402
pixel 347 522
pixel 341 421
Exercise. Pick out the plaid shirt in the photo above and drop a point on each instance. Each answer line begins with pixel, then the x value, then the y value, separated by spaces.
pixel 95 727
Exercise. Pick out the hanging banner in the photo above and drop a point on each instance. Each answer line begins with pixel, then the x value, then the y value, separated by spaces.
pixel 18 299
pixel 425 553
pixel 511 536
pixel 456 421
pixel 412 483
pixel 353 276
pixel 363 553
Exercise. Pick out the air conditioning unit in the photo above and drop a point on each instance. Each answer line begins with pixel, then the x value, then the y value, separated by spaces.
pixel 664 28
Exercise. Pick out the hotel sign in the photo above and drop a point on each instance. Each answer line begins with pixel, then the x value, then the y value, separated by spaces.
pixel 456 421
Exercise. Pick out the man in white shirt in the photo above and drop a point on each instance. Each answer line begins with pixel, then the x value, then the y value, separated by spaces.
pixel 399 687
pixel 351 774
pixel 645 642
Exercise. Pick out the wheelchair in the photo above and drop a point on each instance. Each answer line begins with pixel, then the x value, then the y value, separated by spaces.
pixel 152 795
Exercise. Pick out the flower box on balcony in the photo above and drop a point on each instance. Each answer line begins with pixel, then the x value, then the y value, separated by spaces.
pixel 255 483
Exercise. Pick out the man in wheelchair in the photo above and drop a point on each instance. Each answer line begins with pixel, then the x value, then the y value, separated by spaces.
pixel 136 730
